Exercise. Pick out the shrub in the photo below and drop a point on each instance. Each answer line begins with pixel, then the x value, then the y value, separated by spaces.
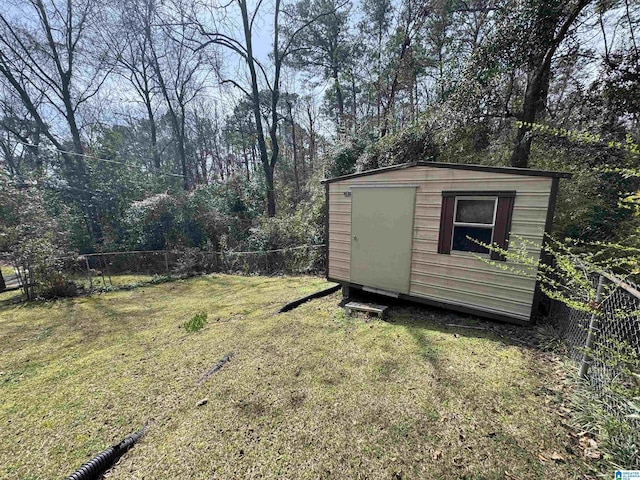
pixel 413 144
pixel 196 322
pixel 56 285
pixel 153 223
pixel 41 268
pixel 343 160
pixel 304 228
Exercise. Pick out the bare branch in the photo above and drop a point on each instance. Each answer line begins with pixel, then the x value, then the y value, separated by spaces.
pixel 237 85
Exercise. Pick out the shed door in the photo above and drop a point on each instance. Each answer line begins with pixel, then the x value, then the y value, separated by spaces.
pixel 381 236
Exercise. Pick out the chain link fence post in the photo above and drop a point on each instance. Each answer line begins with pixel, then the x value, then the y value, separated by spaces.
pixel 86 259
pixel 593 327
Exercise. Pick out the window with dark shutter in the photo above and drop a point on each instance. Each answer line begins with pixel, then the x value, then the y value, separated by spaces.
pixel 470 217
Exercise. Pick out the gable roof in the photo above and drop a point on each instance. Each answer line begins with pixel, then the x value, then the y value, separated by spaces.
pixel 460 166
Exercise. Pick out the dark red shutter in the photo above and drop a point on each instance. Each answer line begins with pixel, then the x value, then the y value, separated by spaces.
pixel 446 224
pixel 503 226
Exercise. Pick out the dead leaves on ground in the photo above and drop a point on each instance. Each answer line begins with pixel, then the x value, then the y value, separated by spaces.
pixel 555 456
pixel 589 446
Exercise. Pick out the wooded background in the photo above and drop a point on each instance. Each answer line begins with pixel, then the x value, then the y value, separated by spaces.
pixel 138 124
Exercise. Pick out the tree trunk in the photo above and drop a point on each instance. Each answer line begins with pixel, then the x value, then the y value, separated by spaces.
pixel 379 81
pixel 255 104
pixel 3 284
pixel 271 197
pixel 312 138
pixel 246 158
pixel 303 164
pixel 339 97
pixel 181 148
pixel 78 160
pixel 535 96
pixel 295 152
pixel 388 110
pixel 275 97
pixel 354 105
pixel 154 135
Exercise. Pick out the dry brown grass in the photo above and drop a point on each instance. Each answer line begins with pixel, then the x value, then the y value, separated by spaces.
pixel 308 394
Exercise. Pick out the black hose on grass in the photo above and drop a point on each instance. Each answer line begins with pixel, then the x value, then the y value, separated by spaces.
pixel 105 460
pixel 300 301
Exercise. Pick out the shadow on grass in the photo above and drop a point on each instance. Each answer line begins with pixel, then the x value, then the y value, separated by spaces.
pixel 9 298
pixel 83 292
pixel 419 318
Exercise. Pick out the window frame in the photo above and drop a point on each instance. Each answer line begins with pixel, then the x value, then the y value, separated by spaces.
pixel 503 213
pixel 486 226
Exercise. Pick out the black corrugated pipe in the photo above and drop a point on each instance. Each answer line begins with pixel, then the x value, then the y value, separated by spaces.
pixel 300 301
pixel 105 460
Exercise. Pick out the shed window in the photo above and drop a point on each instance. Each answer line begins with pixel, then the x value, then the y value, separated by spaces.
pixel 482 216
pixel 474 218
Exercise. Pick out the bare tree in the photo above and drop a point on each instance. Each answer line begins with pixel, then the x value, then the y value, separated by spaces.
pixel 298 173
pixel 19 138
pixel 206 125
pixel 240 131
pixel 282 48
pixel 47 58
pixel 129 34
pixel 180 75
pixel 311 111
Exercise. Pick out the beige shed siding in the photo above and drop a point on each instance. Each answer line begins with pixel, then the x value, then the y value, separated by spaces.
pixel 456 278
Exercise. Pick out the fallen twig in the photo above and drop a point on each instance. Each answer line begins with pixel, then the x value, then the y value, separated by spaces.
pixel 216 367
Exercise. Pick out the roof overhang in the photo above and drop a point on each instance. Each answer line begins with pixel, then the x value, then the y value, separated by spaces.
pixel 460 166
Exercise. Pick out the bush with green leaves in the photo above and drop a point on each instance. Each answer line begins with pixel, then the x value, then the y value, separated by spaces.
pixel 298 233
pixel 153 223
pixel 195 323
pixel 36 243
pixel 342 160
pixel 207 217
pixel 40 264
pixel 414 144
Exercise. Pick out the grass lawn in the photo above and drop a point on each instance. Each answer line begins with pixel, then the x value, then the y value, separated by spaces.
pixel 112 280
pixel 309 394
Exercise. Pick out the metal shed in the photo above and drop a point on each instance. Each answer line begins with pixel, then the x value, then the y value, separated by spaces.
pixel 404 231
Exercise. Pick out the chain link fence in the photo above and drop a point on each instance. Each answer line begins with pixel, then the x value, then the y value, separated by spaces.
pixel 122 268
pixel 605 344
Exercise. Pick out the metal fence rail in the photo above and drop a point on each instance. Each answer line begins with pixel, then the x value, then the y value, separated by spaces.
pixel 118 269
pixel 102 268
pixel 606 343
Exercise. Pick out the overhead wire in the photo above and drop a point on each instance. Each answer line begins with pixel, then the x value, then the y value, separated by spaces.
pixel 100 159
